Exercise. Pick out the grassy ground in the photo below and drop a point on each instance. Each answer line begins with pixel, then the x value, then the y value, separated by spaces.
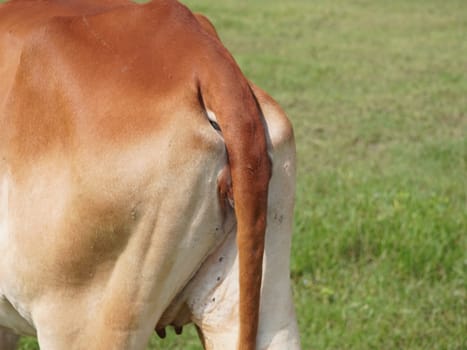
pixel 377 91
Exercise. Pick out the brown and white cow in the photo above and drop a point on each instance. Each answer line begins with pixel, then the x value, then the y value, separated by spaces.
pixel 142 177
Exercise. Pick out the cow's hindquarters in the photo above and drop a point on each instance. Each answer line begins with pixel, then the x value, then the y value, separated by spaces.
pixel 213 294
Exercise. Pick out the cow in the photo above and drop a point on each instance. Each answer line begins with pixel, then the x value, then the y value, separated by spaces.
pixel 144 181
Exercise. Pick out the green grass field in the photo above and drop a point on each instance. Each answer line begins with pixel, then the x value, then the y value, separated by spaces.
pixel 377 92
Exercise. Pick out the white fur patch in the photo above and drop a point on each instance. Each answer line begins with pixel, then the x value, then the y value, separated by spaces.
pixel 211 115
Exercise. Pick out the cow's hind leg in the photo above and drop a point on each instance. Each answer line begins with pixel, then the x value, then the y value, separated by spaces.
pixel 86 322
pixel 212 294
pixel 119 304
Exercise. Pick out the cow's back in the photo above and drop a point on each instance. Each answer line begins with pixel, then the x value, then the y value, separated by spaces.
pixel 20 18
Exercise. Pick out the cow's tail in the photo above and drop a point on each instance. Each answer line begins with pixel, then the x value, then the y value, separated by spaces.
pixel 226 92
